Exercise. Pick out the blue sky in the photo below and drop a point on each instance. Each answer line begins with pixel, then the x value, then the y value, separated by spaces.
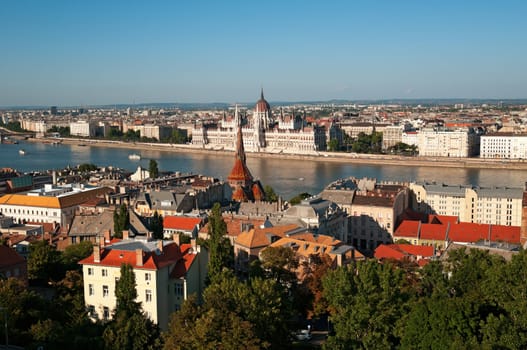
pixel 104 52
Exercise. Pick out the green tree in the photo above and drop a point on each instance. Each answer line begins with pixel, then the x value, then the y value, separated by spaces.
pixel 298 198
pixel 130 328
pixel 366 301
pixel 121 220
pixel 333 145
pixel 221 254
pixel 270 194
pixel 153 169
pixel 156 225
pixel 86 167
pixel 76 252
pixel 43 263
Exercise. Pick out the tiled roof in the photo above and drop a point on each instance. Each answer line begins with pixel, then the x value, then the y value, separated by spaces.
pixel 120 253
pixel 180 222
pixel 34 201
pixel 399 251
pixel 183 265
pixel 436 232
pixel 407 228
pixel 261 237
pixel 8 257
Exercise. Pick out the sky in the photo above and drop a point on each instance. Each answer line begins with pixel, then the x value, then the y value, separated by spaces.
pixel 94 52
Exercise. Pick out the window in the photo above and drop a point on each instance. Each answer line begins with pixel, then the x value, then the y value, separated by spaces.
pixel 105 313
pixel 148 277
pixel 105 291
pixel 91 311
pixel 90 271
pixel 91 291
pixel 104 272
pixel 148 295
pixel 178 289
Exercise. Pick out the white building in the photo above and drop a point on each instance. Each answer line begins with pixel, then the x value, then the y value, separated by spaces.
pixel 504 145
pixel 263 133
pixel 83 128
pixel 482 205
pixel 448 143
pixel 166 274
pixel 50 204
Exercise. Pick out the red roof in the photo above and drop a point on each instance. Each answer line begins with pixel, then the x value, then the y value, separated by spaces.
pixel 8 257
pixel 183 223
pixel 183 265
pixel 113 256
pixel 407 228
pixel 400 251
pixel 434 232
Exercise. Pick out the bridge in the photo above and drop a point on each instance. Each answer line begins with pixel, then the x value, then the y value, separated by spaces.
pixel 18 135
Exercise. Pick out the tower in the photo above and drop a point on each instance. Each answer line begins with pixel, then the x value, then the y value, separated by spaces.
pixel 244 188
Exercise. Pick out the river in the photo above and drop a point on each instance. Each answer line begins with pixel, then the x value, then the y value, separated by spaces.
pixel 287 177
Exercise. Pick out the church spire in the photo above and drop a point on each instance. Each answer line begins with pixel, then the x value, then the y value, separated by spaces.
pixel 261 94
pixel 240 150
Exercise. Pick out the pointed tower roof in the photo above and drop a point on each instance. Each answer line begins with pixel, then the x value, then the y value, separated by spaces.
pixel 262 105
pixel 239 171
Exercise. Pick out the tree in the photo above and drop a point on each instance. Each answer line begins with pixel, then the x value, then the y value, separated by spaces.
pixel 86 167
pixel 314 270
pixel 270 194
pixel 121 221
pixel 130 328
pixel 43 263
pixel 333 145
pixel 366 301
pixel 221 254
pixel 153 169
pixel 76 252
pixel 156 225
pixel 298 198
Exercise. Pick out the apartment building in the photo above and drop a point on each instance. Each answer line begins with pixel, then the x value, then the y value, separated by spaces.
pixel 83 128
pixel 166 274
pixel 439 142
pixel 504 145
pixel 483 205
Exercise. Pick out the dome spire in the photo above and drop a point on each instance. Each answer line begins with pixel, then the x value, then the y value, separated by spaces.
pixel 261 94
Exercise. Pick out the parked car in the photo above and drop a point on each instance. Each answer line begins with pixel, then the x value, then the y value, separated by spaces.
pixel 303 334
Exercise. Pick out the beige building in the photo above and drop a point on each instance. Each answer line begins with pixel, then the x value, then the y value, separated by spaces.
pixel 482 205
pixel 504 145
pixel 373 208
pixel 83 128
pixel 166 274
pixel 448 143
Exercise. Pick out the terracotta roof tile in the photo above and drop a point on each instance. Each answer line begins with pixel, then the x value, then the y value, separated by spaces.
pixel 181 222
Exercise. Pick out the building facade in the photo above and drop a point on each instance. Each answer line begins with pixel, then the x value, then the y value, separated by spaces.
pixel 504 145
pixel 262 132
pixel 482 205
pixel 166 274
pixel 448 143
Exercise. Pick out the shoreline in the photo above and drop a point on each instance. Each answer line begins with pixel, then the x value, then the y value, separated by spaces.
pixel 352 158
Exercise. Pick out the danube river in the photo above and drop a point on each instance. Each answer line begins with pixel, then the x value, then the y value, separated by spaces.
pixel 287 177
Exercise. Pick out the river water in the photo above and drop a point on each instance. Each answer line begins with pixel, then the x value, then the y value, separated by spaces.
pixel 287 177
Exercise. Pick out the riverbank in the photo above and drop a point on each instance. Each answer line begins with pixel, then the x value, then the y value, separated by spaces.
pixel 352 158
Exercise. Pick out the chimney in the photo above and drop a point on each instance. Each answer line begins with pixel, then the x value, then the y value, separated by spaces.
pixel 139 257
pixel 126 234
pixel 106 237
pixel 160 245
pixel 194 245
pixel 176 239
pixel 54 177
pixel 96 254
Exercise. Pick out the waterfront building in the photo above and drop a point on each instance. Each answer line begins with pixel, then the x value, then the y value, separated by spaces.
pixel 353 129
pixel 392 135
pixel 262 132
pixel 482 205
pixel 51 204
pixel 504 145
pixel 166 274
pixel 83 128
pixel 440 142
pixel 410 138
pixel 151 131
